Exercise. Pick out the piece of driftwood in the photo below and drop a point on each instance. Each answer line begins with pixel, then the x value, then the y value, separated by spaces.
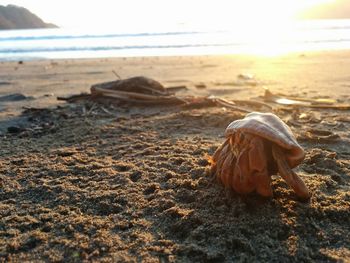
pixel 211 101
pixel 146 91
pixel 135 97
pixel 188 102
pixel 74 97
pixel 229 104
pixel 253 103
pixel 303 102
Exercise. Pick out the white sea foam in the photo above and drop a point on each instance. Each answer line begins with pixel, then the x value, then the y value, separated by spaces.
pixel 312 35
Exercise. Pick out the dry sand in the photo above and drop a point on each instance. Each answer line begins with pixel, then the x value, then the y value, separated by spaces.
pixel 131 184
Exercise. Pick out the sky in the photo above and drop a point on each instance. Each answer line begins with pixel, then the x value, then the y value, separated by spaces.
pixel 144 13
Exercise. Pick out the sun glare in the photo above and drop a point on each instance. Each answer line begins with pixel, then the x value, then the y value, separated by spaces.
pixel 267 26
pixel 133 13
pixel 262 24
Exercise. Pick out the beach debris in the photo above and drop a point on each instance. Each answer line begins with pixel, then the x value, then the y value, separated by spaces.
pixel 224 91
pixel 15 97
pixel 254 103
pixel 241 80
pixel 146 91
pixel 228 104
pixel 74 97
pixel 5 83
pixel 246 80
pixel 136 90
pixel 308 117
pixel 116 74
pixel 212 101
pixel 47 95
pixel 319 135
pixel 200 86
pixel 299 119
pixel 238 83
pixel 304 102
pixel 255 148
pixel 238 105
pixel 245 76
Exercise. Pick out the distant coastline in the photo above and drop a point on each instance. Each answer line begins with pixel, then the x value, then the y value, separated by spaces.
pixel 16 17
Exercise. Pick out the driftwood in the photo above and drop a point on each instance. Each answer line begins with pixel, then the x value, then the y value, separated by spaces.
pixel 228 104
pixel 139 90
pixel 74 97
pixel 304 102
pixel 146 91
pixel 253 103
pixel 134 97
pixel 211 101
pixel 143 90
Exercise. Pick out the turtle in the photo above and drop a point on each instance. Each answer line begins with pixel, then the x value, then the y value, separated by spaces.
pixel 256 147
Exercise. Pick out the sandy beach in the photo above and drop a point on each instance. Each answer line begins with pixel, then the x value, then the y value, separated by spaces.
pixel 127 183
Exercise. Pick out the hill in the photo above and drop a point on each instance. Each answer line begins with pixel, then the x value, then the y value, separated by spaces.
pixel 15 17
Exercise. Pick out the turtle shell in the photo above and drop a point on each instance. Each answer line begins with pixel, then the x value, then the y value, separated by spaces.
pixel 271 128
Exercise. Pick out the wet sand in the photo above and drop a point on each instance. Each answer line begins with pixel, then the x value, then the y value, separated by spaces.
pixel 129 183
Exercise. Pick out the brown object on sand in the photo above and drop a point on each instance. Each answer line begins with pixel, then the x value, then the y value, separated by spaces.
pixel 137 90
pixel 144 90
pixel 138 84
pixel 256 147
pixel 74 97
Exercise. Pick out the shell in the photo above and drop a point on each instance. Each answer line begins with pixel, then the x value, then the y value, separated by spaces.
pixel 271 128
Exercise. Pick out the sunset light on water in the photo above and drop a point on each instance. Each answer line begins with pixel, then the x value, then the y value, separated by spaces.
pixel 264 28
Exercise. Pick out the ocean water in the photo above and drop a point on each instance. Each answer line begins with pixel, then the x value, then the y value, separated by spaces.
pixel 313 35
